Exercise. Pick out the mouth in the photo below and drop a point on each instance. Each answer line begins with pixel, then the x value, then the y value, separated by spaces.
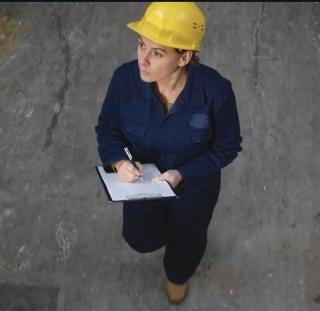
pixel 144 72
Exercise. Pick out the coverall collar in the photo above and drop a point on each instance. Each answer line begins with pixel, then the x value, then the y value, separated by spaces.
pixel 185 95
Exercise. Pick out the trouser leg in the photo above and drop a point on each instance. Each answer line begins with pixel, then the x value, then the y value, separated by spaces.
pixel 188 221
pixel 145 225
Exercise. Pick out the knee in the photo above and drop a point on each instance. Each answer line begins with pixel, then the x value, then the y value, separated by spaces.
pixel 142 246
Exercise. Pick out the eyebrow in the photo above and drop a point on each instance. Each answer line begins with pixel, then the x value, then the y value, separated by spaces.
pixel 160 49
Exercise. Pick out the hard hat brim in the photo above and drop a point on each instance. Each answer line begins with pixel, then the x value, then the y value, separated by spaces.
pixel 135 27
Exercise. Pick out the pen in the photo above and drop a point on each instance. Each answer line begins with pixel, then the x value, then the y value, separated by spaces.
pixel 131 158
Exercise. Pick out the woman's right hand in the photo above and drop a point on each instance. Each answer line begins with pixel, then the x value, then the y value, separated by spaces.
pixel 127 172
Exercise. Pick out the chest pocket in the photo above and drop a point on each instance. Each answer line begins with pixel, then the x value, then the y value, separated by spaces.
pixel 198 136
pixel 198 128
pixel 199 121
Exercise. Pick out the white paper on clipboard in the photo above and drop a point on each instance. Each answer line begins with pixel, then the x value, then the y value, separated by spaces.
pixel 144 188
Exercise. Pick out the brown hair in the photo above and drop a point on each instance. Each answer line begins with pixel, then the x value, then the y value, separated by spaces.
pixel 194 58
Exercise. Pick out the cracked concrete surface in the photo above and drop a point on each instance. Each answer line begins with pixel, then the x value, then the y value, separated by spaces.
pixel 61 94
pixel 256 45
pixel 61 241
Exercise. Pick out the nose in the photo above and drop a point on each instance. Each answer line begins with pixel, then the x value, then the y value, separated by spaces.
pixel 144 58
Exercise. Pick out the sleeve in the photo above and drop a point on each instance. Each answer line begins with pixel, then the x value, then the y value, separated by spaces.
pixel 226 139
pixel 108 133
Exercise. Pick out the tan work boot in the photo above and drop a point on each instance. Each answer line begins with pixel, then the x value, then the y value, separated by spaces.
pixel 176 292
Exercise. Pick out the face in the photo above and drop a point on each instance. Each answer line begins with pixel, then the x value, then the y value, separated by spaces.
pixel 157 62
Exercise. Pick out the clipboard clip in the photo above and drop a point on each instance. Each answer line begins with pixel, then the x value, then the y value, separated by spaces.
pixel 140 196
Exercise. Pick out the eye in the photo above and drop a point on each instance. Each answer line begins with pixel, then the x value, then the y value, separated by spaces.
pixel 140 44
pixel 157 54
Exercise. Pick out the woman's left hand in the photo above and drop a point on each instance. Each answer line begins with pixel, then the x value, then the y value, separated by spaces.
pixel 171 176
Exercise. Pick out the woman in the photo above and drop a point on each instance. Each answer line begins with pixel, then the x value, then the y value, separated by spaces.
pixel 181 115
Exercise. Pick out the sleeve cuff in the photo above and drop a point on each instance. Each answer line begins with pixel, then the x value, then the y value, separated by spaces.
pixel 109 168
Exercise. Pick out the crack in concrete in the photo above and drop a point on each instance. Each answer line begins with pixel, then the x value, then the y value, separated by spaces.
pixel 65 48
pixel 256 45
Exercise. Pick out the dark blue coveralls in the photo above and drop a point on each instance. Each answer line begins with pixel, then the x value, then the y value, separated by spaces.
pixel 198 136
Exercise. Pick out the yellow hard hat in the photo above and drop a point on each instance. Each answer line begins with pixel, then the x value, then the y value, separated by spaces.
pixel 175 24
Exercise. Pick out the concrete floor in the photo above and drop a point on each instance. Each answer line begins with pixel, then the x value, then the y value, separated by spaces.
pixel 60 241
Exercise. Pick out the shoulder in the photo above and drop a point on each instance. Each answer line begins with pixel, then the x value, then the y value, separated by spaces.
pixel 215 87
pixel 127 70
pixel 211 77
pixel 213 83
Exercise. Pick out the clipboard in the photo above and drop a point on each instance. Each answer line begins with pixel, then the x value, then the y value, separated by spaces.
pixel 142 189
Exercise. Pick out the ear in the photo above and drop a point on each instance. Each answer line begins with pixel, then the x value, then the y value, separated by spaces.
pixel 185 58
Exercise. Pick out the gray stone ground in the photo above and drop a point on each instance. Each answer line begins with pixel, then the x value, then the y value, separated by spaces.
pixel 60 241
